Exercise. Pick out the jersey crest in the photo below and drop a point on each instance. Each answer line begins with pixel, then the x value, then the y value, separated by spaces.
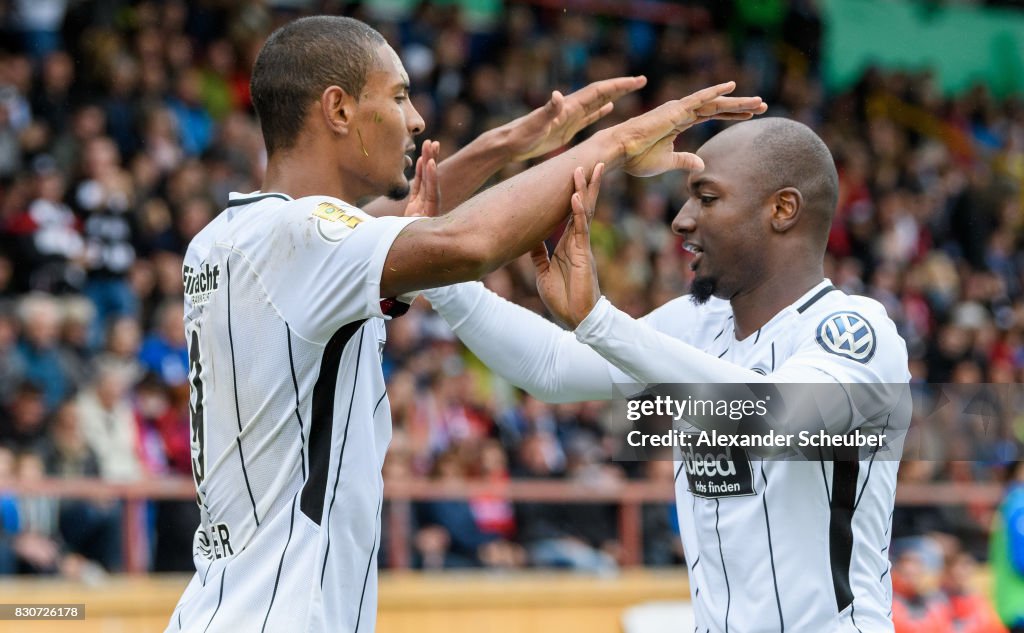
pixel 334 223
pixel 847 334
pixel 331 213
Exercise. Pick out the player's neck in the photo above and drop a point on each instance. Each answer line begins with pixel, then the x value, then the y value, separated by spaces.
pixel 756 307
pixel 298 177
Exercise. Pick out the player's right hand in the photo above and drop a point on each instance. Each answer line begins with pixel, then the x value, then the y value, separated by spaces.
pixel 425 190
pixel 555 123
pixel 567 279
pixel 647 140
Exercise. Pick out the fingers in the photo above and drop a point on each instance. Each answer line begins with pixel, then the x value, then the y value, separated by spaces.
pixel 726 116
pixel 675 116
pixel 414 189
pixel 579 225
pixel 579 180
pixel 593 97
pixel 595 116
pixel 539 257
pixel 687 161
pixel 555 105
pixel 724 105
pixel 430 149
pixel 431 186
pixel 595 177
pixel 593 189
pixel 709 94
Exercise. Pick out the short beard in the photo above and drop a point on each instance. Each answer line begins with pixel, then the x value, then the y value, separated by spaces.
pixel 398 192
pixel 702 289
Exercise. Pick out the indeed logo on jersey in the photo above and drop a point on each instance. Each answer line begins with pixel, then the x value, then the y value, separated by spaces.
pixel 201 283
pixel 714 472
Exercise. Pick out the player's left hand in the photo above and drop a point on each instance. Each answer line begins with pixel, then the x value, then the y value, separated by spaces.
pixel 425 190
pixel 567 280
pixel 555 123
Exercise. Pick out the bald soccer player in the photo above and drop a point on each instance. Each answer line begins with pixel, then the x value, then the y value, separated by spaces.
pixel 774 542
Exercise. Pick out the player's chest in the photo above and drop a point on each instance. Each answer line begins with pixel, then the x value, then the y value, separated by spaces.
pixel 764 351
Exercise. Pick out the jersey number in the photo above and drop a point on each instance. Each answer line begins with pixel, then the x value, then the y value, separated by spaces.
pixel 195 406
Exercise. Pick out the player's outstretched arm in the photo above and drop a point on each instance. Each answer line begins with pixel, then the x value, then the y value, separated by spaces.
pixel 541 131
pixel 507 220
pixel 527 350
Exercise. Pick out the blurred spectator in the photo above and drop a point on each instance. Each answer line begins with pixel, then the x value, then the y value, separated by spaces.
pixel 195 125
pixel 971 609
pixel 558 535
pixel 52 93
pixel 109 426
pixel 444 414
pixel 38 544
pixel 25 425
pixel 47 235
pixel 46 363
pixel 39 22
pixel 122 349
pixel 12 367
pixel 164 351
pixel 163 417
pixel 494 514
pixel 105 199
pixel 917 605
pixel 90 528
pixel 451 536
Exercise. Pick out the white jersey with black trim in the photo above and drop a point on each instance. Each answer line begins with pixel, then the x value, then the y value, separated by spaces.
pixel 792 545
pixel 798 546
pixel 289 416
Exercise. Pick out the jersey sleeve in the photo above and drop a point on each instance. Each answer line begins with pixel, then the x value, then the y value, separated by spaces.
pixel 325 269
pixel 524 348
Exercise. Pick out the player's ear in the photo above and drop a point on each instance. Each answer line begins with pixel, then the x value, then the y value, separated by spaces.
pixel 786 205
pixel 337 108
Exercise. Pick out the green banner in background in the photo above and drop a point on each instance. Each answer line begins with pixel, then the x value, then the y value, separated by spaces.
pixel 964 45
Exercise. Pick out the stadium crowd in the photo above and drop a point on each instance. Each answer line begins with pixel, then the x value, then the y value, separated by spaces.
pixel 124 125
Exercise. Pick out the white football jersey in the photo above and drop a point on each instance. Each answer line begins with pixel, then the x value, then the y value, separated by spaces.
pixel 289 416
pixel 793 545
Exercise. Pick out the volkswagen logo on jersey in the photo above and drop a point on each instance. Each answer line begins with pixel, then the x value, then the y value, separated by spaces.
pixel 847 334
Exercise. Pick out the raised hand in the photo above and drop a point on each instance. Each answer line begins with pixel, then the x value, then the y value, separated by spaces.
pixel 567 280
pixel 555 123
pixel 647 140
pixel 425 190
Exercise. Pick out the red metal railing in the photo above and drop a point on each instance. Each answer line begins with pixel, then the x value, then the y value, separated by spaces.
pixel 629 496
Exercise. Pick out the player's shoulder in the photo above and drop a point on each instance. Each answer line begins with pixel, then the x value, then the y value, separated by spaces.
pixel 866 309
pixel 278 210
pixel 279 224
pixel 853 327
pixel 333 219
